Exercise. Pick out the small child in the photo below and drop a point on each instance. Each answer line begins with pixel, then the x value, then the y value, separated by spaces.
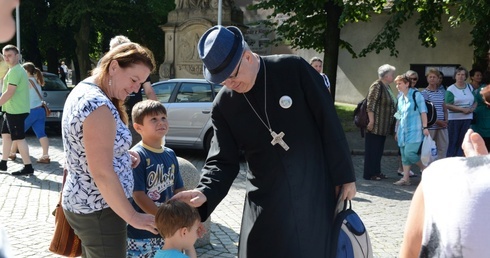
pixel 156 178
pixel 179 224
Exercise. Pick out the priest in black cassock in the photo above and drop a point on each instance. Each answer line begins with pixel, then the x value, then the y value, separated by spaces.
pixel 276 110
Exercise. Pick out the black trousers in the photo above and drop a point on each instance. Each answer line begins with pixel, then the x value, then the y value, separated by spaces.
pixel 373 152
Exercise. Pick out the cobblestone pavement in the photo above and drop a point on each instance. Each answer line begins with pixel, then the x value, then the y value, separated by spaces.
pixel 26 204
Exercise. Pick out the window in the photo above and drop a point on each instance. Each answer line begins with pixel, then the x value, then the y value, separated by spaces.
pixel 194 92
pixel 164 91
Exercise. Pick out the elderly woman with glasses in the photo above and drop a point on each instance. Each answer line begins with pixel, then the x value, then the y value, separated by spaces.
pixel 460 102
pixel 381 106
pixel 413 76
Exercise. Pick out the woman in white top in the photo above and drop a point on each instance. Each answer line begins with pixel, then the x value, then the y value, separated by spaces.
pixel 460 103
pixel 37 115
pixel 96 141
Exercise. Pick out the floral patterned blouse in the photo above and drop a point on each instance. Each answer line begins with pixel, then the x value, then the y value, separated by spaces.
pixel 80 193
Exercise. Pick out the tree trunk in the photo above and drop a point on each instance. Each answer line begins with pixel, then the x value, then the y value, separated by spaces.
pixel 82 50
pixel 332 42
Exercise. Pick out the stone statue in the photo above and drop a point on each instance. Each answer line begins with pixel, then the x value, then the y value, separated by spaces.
pixel 189 4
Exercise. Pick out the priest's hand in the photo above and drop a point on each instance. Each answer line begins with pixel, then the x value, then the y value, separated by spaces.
pixel 473 144
pixel 192 197
pixel 348 191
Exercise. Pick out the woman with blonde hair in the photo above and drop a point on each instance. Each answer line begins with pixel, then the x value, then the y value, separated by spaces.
pixel 37 116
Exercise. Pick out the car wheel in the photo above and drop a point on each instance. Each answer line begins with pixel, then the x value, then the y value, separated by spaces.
pixel 207 140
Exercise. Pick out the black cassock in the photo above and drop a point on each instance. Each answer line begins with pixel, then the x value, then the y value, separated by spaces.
pixel 290 201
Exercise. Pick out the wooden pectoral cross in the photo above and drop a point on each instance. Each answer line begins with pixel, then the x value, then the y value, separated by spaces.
pixel 277 138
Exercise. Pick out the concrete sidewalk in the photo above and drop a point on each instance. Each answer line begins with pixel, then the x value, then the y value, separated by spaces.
pixel 26 204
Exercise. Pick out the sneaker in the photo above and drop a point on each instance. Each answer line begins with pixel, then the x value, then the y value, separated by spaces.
pixel 402 182
pixel 24 171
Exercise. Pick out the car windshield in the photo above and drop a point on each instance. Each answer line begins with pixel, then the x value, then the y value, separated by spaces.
pixel 52 82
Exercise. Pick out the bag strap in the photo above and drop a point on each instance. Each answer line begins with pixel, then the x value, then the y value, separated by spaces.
pixel 414 100
pixel 37 91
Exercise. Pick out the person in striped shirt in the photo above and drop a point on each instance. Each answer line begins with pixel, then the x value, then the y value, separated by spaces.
pixel 435 94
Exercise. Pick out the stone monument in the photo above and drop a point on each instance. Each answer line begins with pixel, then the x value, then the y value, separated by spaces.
pixel 186 24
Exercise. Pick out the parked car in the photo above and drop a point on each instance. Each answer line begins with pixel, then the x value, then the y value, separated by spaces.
pixel 54 93
pixel 188 103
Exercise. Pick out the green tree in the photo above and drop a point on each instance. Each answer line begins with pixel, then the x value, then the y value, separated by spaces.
pixel 316 24
pixel 80 30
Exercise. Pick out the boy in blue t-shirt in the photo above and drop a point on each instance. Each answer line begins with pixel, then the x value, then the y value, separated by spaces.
pixel 156 178
pixel 180 225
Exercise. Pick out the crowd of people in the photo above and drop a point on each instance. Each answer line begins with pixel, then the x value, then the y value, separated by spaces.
pixel 124 202
pixel 458 107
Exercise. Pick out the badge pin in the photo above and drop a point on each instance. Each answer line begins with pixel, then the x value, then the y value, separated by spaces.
pixel 285 102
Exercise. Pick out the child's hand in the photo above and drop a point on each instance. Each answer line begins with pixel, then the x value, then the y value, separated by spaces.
pixel 201 230
pixel 135 158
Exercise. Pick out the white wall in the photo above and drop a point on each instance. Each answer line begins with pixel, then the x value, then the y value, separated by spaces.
pixel 354 76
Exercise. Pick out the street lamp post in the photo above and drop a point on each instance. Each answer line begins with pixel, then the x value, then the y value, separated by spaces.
pixel 17 25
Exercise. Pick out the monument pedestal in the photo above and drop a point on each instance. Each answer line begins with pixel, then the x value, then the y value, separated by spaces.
pixel 185 25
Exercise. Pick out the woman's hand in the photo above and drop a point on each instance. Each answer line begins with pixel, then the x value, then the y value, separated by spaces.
pixel 426 132
pixel 135 158
pixel 370 126
pixel 441 123
pixel 467 110
pixel 143 221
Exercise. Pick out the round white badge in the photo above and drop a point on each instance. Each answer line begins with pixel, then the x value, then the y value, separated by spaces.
pixel 285 102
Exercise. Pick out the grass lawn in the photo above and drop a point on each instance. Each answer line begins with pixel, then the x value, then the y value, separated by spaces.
pixel 346 116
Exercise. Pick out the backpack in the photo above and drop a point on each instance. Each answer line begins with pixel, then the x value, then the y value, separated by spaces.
pixel 361 118
pixel 350 238
pixel 431 110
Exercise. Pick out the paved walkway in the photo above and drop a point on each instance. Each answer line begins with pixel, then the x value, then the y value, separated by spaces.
pixel 26 204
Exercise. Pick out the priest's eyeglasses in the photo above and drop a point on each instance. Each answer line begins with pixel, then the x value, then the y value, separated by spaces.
pixel 232 77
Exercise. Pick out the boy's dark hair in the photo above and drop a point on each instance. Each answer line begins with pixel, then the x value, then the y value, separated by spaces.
pixel 145 108
pixel 174 215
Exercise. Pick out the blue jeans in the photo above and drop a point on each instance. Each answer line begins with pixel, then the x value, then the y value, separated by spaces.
pixel 456 131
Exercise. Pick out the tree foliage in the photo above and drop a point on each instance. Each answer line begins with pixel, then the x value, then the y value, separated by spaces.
pixel 311 24
pixel 52 30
